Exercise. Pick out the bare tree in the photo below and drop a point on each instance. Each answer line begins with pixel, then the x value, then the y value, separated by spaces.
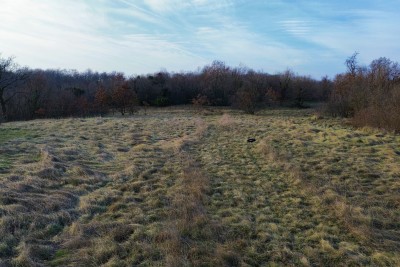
pixel 285 84
pixel 10 76
pixel 123 97
pixel 384 73
pixel 217 83
pixel 36 85
pixel 102 101
pixel 246 98
pixel 352 64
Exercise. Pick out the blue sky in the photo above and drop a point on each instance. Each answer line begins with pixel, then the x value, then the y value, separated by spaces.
pixel 144 36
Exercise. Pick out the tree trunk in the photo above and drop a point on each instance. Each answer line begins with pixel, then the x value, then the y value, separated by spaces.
pixel 3 107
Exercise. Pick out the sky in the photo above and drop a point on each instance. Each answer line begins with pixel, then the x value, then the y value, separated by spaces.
pixel 145 36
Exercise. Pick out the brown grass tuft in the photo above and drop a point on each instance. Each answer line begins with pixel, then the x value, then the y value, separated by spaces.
pixel 226 120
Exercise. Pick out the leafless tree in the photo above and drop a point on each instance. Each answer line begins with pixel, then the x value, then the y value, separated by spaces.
pixel 285 83
pixel 10 76
pixel 246 98
pixel 352 64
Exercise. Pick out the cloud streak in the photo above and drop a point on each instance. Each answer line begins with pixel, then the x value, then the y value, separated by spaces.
pixel 143 36
pixel 295 27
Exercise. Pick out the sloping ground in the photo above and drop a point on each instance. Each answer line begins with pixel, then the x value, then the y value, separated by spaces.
pixel 177 189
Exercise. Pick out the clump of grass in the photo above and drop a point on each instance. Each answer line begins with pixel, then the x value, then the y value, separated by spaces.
pixel 24 257
pixel 226 120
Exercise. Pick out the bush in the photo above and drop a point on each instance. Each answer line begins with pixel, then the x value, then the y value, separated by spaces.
pixel 246 98
pixel 386 115
pixel 370 96
pixel 161 101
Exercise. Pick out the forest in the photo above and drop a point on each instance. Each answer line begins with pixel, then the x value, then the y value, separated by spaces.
pixel 370 95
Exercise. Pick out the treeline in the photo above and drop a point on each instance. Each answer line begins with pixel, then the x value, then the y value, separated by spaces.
pixel 27 94
pixel 370 95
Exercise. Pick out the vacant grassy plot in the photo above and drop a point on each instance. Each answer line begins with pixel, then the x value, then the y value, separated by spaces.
pixel 172 188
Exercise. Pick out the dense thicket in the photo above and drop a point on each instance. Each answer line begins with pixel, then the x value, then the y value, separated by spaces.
pixel 30 94
pixel 370 95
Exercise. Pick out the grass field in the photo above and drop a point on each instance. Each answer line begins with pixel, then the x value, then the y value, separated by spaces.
pixel 177 187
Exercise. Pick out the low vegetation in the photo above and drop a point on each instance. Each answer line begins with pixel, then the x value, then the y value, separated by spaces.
pixel 369 95
pixel 176 187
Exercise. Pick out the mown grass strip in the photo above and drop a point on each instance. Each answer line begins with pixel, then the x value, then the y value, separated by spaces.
pixel 189 238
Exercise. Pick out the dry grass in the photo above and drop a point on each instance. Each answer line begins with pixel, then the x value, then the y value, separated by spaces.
pixel 180 189
pixel 384 117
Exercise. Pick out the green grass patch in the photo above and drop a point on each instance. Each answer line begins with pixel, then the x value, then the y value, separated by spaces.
pixel 5 163
pixel 7 156
pixel 7 134
pixel 59 257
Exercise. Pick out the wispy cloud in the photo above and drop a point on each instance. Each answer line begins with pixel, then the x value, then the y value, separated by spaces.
pixel 134 12
pixel 139 36
pixel 296 27
pixel 163 6
pixel 372 33
pixel 236 45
